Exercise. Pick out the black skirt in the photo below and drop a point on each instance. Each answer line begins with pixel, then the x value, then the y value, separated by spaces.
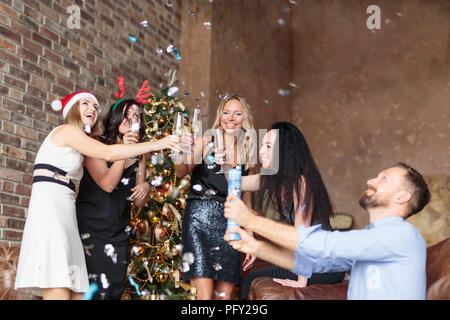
pixel 203 230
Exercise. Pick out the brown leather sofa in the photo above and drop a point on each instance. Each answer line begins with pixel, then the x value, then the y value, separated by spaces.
pixel 438 282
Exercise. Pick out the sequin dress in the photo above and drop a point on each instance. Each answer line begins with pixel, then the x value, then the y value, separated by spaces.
pixel 204 226
pixel 102 219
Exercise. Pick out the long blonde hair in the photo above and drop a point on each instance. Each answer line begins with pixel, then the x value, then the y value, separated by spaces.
pixel 246 155
pixel 74 118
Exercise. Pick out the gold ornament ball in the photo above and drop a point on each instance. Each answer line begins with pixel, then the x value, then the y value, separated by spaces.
pixel 161 121
pixel 161 277
pixel 166 185
pixel 166 133
pixel 165 172
pixel 156 220
pixel 150 214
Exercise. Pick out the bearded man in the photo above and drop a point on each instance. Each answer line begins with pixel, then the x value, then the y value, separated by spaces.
pixel 387 259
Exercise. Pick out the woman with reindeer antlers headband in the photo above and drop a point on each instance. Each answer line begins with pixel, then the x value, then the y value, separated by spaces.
pixel 51 258
pixel 106 192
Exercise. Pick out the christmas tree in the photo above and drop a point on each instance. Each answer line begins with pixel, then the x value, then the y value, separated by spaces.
pixel 155 262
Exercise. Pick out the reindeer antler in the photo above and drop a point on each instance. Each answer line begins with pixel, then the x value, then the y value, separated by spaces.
pixel 141 95
pixel 121 84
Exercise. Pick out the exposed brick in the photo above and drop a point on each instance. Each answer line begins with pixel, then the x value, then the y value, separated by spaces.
pixel 9 198
pixel 13 105
pixel 2 222
pixel 16 164
pixel 8 127
pixel 31 101
pixel 26 21
pixel 8 45
pixel 42 60
pixel 15 224
pixel 27 54
pixel 19 73
pixel 8 186
pixel 50 55
pixel 9 58
pixel 33 46
pixel 31 67
pixel 12 235
pixel 26 132
pixel 19 118
pixel 10 12
pixel 41 82
pixel 40 39
pixel 12 152
pixel 5 32
pixel 23 189
pixel 37 92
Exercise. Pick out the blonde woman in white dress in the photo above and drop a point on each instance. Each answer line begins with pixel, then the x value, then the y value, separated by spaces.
pixel 51 258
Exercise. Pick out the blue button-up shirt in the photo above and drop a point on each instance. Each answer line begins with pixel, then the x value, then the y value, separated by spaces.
pixel 387 259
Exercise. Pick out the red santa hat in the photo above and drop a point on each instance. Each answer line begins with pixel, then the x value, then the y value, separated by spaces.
pixel 66 103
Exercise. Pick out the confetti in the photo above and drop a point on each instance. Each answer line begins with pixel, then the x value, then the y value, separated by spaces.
pixel 144 23
pixel 185 267
pixel 85 236
pixel 87 249
pixel 135 285
pixel 178 57
pixel 223 96
pixel 125 181
pixel 159 51
pixel 111 252
pixel 207 24
pixel 132 38
pixel 87 129
pixel 157 181
pixel 188 257
pixel 191 13
pixel 217 266
pixel 104 281
pixel 220 294
pixel 197 187
pixel 172 91
pixel 283 92
pixel 93 288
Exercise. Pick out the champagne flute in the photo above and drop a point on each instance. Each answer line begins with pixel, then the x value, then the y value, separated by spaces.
pixel 135 127
pixel 219 147
pixel 196 126
pixel 179 128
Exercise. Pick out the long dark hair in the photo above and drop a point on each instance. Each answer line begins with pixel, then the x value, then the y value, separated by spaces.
pixel 295 160
pixel 115 117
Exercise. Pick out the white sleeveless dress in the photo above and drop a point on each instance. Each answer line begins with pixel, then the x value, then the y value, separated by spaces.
pixel 51 254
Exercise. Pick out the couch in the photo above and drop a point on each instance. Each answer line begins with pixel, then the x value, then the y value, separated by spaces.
pixel 438 281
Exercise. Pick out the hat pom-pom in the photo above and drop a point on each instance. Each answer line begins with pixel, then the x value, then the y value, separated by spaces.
pixel 56 105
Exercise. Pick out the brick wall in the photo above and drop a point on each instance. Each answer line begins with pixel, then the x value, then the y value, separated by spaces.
pixel 42 59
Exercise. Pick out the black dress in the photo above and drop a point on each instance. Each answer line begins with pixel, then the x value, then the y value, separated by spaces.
pixel 103 219
pixel 204 226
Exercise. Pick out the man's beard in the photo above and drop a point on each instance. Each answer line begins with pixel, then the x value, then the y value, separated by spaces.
pixel 373 201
